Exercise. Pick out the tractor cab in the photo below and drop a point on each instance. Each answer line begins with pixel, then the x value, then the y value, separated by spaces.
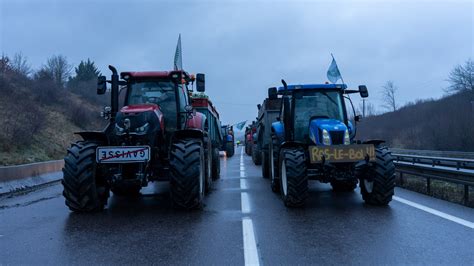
pixel 315 114
pixel 164 93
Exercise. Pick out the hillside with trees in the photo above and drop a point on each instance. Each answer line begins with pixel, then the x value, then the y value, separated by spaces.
pixel 42 109
pixel 443 124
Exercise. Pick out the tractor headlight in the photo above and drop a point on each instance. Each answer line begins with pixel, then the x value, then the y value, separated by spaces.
pixel 143 128
pixel 326 138
pixel 347 139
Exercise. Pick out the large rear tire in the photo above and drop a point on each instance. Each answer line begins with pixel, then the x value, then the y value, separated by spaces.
pixel 256 155
pixel 85 188
pixel 216 165
pixel 187 173
pixel 265 165
pixel 293 177
pixel 377 187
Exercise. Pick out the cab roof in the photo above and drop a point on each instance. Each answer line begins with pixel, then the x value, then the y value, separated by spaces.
pixel 151 74
pixel 314 87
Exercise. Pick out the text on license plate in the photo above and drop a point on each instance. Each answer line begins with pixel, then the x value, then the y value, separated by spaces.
pixel 123 154
pixel 341 154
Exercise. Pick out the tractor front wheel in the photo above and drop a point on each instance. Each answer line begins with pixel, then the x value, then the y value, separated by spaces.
pixel 256 155
pixel 293 177
pixel 229 149
pixel 378 184
pixel 187 173
pixel 85 188
pixel 265 165
pixel 216 165
pixel 273 161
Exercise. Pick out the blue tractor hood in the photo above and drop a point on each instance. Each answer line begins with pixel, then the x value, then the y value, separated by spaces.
pixel 333 126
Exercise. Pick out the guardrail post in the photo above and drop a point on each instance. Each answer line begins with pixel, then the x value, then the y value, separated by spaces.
pixel 428 185
pixel 466 195
pixel 401 179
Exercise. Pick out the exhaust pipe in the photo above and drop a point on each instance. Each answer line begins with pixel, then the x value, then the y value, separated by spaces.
pixel 114 92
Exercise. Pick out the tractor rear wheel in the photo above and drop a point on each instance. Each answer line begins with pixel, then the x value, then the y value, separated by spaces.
pixel 187 173
pixel 344 185
pixel 293 177
pixel 216 165
pixel 265 165
pixel 377 187
pixel 256 155
pixel 85 188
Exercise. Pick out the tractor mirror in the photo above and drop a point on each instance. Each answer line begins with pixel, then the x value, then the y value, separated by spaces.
pixel 200 82
pixel 272 93
pixel 101 85
pixel 364 93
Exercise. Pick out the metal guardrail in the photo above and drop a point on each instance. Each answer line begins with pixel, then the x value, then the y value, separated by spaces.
pixel 444 154
pixel 453 170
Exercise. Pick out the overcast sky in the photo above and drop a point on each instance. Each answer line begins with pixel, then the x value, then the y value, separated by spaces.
pixel 244 47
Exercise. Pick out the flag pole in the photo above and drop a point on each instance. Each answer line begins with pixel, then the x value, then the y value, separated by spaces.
pixel 343 83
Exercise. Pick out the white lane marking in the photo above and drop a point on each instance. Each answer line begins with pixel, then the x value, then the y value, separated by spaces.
pixel 250 245
pixel 243 184
pixel 436 212
pixel 242 165
pixel 244 202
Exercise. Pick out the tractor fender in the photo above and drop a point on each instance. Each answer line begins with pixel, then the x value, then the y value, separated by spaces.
pixel 293 144
pixel 96 136
pixel 376 142
pixel 190 133
pixel 198 121
pixel 279 130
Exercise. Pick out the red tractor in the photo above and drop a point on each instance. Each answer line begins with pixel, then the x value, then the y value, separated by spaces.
pixel 156 136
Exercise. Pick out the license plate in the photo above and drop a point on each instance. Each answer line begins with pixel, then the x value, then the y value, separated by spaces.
pixel 341 154
pixel 123 154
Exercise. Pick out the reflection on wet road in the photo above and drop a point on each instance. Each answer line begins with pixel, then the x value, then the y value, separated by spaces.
pixel 242 222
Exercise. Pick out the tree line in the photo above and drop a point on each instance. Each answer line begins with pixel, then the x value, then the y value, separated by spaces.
pixel 443 124
pixel 30 98
pixel 460 79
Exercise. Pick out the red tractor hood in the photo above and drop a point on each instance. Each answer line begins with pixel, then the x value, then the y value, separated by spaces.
pixel 139 108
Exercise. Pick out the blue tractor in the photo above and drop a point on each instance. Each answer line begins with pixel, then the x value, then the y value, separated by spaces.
pixel 314 139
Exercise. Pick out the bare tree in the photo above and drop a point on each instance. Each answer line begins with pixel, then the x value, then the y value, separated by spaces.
pixel 20 64
pixel 388 96
pixel 366 108
pixel 59 68
pixel 461 78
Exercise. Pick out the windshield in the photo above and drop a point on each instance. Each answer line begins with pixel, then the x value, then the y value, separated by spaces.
pixel 316 104
pixel 160 92
pixel 157 92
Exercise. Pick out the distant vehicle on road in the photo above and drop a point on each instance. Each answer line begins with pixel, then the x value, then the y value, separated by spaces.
pixel 249 136
pixel 315 139
pixel 203 104
pixel 267 114
pixel 228 142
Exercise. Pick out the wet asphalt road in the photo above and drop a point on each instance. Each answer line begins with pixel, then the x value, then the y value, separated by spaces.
pixel 333 228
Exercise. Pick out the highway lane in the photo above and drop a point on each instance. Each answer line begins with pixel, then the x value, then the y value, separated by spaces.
pixel 242 222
